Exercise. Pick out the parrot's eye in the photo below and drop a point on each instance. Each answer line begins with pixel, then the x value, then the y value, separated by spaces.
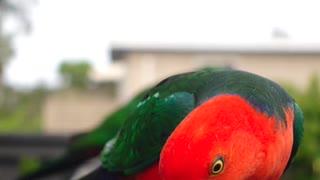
pixel 217 166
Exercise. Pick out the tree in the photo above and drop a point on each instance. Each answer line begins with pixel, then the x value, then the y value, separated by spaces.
pixel 18 10
pixel 6 52
pixel 75 74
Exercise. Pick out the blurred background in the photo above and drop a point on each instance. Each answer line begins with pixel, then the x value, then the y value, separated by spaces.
pixel 66 65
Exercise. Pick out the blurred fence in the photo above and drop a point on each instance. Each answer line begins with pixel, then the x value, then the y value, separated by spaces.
pixel 15 147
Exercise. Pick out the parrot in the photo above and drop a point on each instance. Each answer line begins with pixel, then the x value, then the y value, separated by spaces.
pixel 84 146
pixel 206 125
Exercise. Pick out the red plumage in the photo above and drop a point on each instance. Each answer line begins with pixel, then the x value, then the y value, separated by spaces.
pixel 230 127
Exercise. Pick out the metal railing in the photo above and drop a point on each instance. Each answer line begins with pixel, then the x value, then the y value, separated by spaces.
pixel 14 147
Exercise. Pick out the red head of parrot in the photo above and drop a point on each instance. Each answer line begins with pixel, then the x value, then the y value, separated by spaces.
pixel 227 138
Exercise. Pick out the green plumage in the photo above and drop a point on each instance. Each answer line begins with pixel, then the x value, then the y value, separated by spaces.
pixel 298 129
pixel 88 145
pixel 145 131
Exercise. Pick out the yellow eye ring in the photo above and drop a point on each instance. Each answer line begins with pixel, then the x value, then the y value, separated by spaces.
pixel 217 166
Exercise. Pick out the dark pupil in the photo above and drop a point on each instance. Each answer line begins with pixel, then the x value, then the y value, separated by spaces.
pixel 217 167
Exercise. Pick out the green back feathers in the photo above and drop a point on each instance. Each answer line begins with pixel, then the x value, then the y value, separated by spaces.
pixel 298 129
pixel 145 131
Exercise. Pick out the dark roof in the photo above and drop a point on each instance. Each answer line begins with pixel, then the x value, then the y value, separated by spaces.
pixel 118 51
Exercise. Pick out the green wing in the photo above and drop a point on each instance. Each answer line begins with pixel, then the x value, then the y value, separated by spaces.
pixel 147 128
pixel 146 131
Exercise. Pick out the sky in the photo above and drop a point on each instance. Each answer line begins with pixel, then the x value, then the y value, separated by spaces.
pixel 86 29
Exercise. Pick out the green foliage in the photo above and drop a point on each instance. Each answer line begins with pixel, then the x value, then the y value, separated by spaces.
pixel 75 74
pixel 21 111
pixel 28 164
pixel 307 163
